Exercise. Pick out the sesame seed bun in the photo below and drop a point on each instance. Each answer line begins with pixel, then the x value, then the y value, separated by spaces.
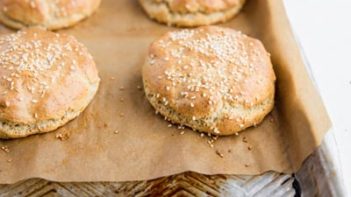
pixel 191 13
pixel 212 79
pixel 46 80
pixel 50 14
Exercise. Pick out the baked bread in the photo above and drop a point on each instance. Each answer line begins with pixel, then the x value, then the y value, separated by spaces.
pixel 212 79
pixel 51 14
pixel 191 13
pixel 46 80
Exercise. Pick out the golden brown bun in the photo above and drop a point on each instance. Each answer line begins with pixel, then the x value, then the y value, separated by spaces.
pixel 211 79
pixel 46 80
pixel 191 13
pixel 51 14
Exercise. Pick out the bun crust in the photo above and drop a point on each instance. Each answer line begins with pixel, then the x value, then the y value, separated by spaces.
pixel 50 14
pixel 191 13
pixel 46 80
pixel 211 79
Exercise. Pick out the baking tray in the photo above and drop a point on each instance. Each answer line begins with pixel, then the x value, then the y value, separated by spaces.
pixel 317 177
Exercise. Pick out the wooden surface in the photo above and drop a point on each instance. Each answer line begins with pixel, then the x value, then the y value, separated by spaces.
pixel 186 184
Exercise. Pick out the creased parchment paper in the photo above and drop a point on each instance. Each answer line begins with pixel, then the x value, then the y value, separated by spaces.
pixel 120 141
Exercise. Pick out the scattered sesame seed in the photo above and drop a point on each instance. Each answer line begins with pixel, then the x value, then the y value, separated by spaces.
pixel 271 119
pixel 62 136
pixel 116 132
pixel 249 148
pixel 121 115
pixel 5 149
pixel 216 131
pixel 182 132
pixel 192 105
pixel 121 88
pixel 244 139
pixel 181 127
pixel 219 154
pixel 169 125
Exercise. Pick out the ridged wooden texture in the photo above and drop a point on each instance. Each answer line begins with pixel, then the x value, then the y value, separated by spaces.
pixel 186 184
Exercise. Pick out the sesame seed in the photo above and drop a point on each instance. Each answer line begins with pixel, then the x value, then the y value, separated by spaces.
pixel 244 139
pixel 192 105
pixel 116 132
pixel 219 154
pixel 5 149
pixel 169 125
pixel 33 58
pixel 218 74
pixel 215 130
pixel 62 136
pixel 210 143
pixel 181 127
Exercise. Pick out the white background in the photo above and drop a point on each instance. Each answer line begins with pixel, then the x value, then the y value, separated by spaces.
pixel 324 29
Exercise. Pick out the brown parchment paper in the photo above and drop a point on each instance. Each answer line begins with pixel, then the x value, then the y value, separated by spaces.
pixel 118 36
